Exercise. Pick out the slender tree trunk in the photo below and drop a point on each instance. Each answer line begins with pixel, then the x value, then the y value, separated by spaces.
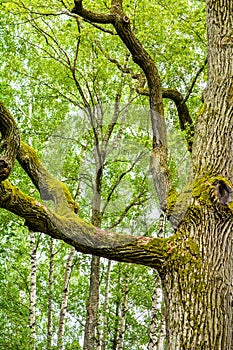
pixel 157 326
pixel 124 307
pixel 65 295
pixel 50 299
pixel 106 300
pixel 116 326
pixel 90 340
pixel 92 305
pixel 32 308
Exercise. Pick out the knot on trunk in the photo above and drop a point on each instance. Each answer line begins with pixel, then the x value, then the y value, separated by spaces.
pixel 224 192
pixel 4 170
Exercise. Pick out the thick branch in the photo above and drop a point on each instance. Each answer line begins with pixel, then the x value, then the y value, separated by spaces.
pixel 64 223
pixel 49 188
pixel 9 142
pixel 82 235
pixel 91 16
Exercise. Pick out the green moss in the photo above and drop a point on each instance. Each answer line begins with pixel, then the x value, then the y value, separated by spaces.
pixel 171 200
pixel 203 186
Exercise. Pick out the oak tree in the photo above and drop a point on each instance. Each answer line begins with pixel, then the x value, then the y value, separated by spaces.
pixel 195 263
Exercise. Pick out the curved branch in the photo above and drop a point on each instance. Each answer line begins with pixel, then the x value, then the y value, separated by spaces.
pixel 82 235
pixel 49 188
pixel 159 162
pixel 91 16
pixel 9 142
pixel 185 120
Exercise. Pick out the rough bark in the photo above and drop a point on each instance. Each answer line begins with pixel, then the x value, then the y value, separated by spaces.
pixel 9 142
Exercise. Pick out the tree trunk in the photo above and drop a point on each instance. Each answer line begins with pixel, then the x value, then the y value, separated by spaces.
pixel 197 285
pixel 124 307
pixel 93 298
pixel 92 305
pixel 106 301
pixel 64 303
pixel 50 299
pixel 32 309
pixel 197 279
pixel 157 334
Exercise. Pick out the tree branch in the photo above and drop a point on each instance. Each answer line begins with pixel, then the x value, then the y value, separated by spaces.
pixel 91 16
pixel 64 224
pixel 159 162
pixel 9 142
pixel 185 120
pixel 80 234
pixel 200 70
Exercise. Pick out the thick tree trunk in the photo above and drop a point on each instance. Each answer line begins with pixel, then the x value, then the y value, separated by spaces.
pixel 197 285
pixel 197 279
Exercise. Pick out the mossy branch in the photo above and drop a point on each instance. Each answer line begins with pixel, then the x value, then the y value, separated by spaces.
pixel 9 142
pixel 63 223
pixel 85 237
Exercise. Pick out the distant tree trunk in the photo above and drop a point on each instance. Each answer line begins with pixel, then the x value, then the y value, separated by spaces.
pixel 117 315
pixel 32 308
pixel 90 340
pixel 106 300
pixel 50 297
pixel 92 305
pixel 124 306
pixel 65 295
pixel 157 334
pixel 157 325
